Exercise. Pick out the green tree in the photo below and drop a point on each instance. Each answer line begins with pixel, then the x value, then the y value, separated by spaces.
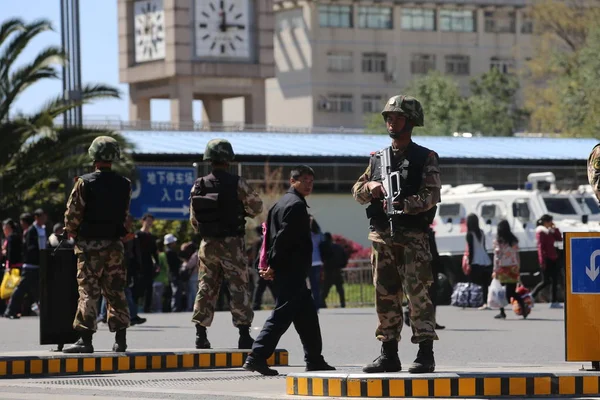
pixel 443 106
pixel 563 84
pixel 36 155
pixel 492 106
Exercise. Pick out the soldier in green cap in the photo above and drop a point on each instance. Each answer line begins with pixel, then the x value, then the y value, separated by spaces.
pixel 95 218
pixel 219 205
pixel 401 259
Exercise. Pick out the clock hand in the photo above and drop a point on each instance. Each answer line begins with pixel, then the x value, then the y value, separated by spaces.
pixel 223 25
pixel 238 26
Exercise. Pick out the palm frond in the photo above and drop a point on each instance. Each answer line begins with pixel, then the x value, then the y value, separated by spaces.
pixel 22 80
pixel 9 27
pixel 89 93
pixel 18 44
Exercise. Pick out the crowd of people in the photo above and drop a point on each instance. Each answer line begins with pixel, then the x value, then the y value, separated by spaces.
pixel 505 265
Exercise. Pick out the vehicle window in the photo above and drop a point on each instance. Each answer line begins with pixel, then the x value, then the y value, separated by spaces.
pixel 521 210
pixel 488 211
pixel 449 210
pixel 591 203
pixel 557 205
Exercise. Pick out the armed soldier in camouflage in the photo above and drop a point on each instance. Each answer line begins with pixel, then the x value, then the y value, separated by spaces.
pixel 220 203
pixel 95 218
pixel 400 259
pixel 593 168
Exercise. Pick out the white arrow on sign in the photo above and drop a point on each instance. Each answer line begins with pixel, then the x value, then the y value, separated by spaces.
pixel 592 271
pixel 184 210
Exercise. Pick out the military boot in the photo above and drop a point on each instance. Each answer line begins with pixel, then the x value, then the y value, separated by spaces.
pixel 245 341
pixel 388 361
pixel 120 341
pixel 424 363
pixel 201 339
pixel 83 345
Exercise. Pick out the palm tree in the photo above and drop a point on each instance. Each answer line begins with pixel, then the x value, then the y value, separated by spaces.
pixel 36 155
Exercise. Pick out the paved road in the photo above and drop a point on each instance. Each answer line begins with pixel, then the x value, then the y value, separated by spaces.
pixel 472 339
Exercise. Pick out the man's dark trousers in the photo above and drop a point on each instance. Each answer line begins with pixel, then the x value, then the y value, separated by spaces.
pixel 294 304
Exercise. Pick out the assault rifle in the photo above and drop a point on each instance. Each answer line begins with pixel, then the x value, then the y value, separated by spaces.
pixel 391 184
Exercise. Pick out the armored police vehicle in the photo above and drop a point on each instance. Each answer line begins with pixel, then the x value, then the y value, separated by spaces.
pixel 572 211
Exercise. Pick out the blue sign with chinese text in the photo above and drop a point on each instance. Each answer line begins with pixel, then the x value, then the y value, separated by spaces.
pixel 585 265
pixel 163 192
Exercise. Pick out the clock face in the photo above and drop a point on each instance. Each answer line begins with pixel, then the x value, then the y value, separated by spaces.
pixel 149 26
pixel 222 29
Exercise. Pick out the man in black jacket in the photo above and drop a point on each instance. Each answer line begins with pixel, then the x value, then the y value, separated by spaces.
pixel 289 261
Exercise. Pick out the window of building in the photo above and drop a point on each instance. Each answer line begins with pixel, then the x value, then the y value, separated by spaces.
pixel 422 63
pixel 340 103
pixel 457 20
pixel 500 21
pixel 504 65
pixel 371 103
pixel 375 17
pixel 338 61
pixel 457 65
pixel 374 62
pixel 526 24
pixel 333 16
pixel 418 19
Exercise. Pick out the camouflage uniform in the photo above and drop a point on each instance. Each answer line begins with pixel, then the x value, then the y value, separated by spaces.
pixel 100 268
pixel 225 258
pixel 402 264
pixel 593 169
pixel 401 259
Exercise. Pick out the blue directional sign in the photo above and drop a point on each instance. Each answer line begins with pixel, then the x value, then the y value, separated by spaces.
pixel 585 265
pixel 163 192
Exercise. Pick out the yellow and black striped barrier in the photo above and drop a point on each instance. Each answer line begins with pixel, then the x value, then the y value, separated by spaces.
pixel 444 385
pixel 27 365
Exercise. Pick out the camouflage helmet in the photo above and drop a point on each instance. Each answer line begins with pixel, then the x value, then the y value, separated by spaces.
pixel 104 148
pixel 407 106
pixel 219 150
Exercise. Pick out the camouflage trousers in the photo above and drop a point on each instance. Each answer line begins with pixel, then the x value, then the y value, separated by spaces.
pixel 100 271
pixel 220 259
pixel 397 270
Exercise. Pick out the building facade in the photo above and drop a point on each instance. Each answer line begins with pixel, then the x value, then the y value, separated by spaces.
pixel 186 50
pixel 337 61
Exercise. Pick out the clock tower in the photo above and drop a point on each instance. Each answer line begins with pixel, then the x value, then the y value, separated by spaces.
pixel 185 50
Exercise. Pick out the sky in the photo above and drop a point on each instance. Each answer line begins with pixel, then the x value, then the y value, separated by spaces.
pixel 99 56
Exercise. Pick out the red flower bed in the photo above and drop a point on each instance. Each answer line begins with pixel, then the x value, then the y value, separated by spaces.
pixel 355 251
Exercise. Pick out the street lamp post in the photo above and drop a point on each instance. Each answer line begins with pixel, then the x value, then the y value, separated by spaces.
pixel 71 77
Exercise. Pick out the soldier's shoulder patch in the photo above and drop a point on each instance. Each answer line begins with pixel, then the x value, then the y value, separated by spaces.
pixel 596 163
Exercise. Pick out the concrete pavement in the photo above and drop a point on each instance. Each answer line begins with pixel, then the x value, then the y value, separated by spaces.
pixel 473 340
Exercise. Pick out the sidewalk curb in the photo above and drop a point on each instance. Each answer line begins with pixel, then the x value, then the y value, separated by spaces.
pixel 506 384
pixel 135 361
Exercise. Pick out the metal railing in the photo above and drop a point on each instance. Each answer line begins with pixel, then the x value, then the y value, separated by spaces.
pixel 358 287
pixel 120 125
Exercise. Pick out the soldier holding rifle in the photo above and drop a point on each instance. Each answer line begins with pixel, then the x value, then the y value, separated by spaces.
pixel 402 187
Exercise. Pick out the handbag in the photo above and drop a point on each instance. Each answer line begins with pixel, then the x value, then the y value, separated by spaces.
pixel 465 261
pixel 496 295
pixel 10 281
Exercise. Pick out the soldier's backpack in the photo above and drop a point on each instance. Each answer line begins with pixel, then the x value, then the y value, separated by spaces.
pixel 467 294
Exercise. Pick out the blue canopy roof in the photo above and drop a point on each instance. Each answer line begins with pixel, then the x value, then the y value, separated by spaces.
pixel 359 145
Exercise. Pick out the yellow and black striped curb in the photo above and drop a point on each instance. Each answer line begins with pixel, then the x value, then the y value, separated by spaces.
pixel 443 384
pixel 26 366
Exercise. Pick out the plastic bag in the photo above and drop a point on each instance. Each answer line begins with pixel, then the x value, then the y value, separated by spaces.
pixel 496 295
pixel 9 283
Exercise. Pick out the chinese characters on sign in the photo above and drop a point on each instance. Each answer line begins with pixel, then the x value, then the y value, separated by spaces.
pixel 163 192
